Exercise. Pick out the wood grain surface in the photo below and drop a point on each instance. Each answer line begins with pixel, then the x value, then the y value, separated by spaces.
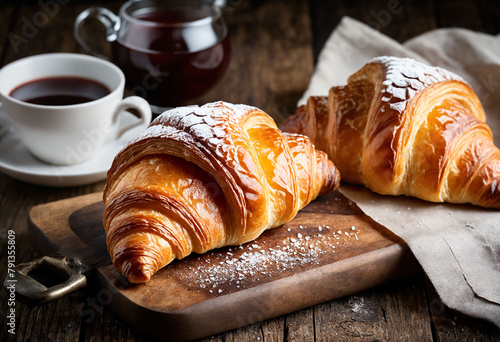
pixel 329 250
pixel 275 44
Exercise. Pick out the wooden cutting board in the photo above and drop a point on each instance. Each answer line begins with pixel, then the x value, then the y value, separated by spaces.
pixel 329 250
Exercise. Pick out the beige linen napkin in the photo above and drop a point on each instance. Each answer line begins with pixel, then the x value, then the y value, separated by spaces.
pixel 458 246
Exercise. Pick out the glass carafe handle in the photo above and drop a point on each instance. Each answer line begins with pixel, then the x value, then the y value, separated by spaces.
pixel 108 19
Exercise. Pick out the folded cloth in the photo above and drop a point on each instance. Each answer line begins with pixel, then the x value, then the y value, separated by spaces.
pixel 458 246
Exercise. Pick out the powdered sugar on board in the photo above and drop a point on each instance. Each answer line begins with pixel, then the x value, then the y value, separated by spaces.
pixel 240 266
pixel 255 260
pixel 405 77
pixel 309 241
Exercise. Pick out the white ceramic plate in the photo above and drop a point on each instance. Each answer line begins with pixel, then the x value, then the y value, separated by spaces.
pixel 17 162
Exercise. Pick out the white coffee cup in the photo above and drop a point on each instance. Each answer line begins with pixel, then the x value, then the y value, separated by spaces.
pixel 68 134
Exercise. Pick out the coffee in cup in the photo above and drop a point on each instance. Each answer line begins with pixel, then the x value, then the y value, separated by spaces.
pixel 66 106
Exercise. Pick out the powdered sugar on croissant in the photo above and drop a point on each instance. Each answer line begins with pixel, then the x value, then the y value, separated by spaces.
pixel 204 177
pixel 404 128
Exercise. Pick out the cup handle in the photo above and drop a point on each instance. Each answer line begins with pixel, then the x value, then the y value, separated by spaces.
pixel 143 111
pixel 107 18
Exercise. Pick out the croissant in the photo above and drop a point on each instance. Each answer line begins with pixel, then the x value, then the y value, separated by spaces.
pixel 204 177
pixel 400 127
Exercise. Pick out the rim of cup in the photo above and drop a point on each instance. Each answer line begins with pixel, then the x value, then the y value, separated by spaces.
pixel 69 56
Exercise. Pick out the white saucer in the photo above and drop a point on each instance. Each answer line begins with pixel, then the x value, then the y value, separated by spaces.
pixel 17 162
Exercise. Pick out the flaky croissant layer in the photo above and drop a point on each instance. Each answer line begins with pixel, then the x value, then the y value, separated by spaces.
pixel 404 128
pixel 204 177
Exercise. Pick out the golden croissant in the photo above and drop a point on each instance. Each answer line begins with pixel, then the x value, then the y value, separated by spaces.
pixel 205 177
pixel 404 128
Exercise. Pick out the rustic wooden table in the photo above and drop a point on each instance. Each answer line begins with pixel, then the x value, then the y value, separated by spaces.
pixel 275 44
